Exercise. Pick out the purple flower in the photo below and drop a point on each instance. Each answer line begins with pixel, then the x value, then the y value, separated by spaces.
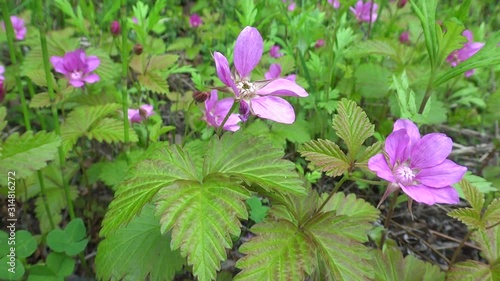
pixel 2 70
pixel 418 165
pixel 77 67
pixel 139 115
pixel 216 110
pixel 404 37
pixel 291 6
pixel 275 51
pixel 320 43
pixel 275 72
pixel 259 98
pixel 115 28
pixel 18 26
pixel 365 12
pixel 2 78
pixel 334 3
pixel 195 20
pixel 466 52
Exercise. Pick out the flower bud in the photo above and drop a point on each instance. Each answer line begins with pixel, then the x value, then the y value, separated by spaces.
pixel 404 37
pixel 199 96
pixel 115 28
pixel 402 3
pixel 138 49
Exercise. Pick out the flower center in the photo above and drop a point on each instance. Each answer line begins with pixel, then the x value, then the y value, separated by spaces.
pixel 247 89
pixel 76 75
pixel 404 174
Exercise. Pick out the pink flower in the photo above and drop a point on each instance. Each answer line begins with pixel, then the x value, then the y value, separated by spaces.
pixel 77 67
pixel 275 51
pixel 216 110
pixel 275 72
pixel 259 98
pixel 320 43
pixel 2 78
pixel 115 28
pixel 334 3
pixel 139 115
pixel 418 165
pixel 2 70
pixel 365 12
pixel 18 26
pixel 135 20
pixel 195 20
pixel 466 52
pixel 291 6
pixel 404 37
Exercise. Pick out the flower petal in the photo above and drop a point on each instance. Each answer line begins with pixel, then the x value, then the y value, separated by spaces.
pixel 211 101
pixel 76 83
pixel 224 73
pixel 444 174
pixel 431 150
pixel 92 63
pixel 430 195
pixel 248 51
pixel 57 63
pixel 282 87
pixel 91 78
pixel 274 71
pixel 411 130
pixel 378 164
pixel 396 146
pixel 273 108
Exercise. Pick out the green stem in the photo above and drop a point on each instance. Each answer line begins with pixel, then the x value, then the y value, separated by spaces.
pixel 368 181
pixel 50 90
pixel 334 190
pixel 44 199
pixel 388 218
pixel 40 116
pixel 233 107
pixel 428 92
pixel 124 59
pixel 186 124
pixel 462 243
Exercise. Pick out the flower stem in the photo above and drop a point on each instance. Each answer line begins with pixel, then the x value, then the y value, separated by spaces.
pixel 50 91
pixel 388 218
pixel 334 190
pixel 460 246
pixel 428 92
pixel 367 181
pixel 124 59
pixel 233 107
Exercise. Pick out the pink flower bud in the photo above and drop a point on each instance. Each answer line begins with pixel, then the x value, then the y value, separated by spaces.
pixel 115 28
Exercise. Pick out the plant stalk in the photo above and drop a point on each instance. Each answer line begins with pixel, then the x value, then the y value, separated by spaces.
pixel 388 218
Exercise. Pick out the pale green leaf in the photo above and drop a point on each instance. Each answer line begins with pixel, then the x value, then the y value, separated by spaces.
pixel 473 271
pixel 181 43
pixel 376 47
pixel 369 152
pixel 492 213
pixel 202 218
pixel 481 184
pixel 472 195
pixel 391 266
pixel 162 62
pixel 154 82
pixel 252 160
pixel 489 241
pixel 110 130
pixel 280 251
pixel 426 12
pixel 138 251
pixel 451 40
pixel 107 69
pixel 327 156
pixel 372 80
pixel 39 77
pixel 3 122
pixel 469 216
pixel 43 100
pixel 352 125
pixel 27 153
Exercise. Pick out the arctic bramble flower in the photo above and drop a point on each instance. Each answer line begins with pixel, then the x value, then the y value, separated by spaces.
pixel 195 20
pixel 365 12
pixel 418 165
pixel 259 98
pixel 18 26
pixel 139 115
pixel 77 67
pixel 275 51
pixel 216 110
pixel 320 43
pixel 334 3
pixel 275 72
pixel 115 28
pixel 466 52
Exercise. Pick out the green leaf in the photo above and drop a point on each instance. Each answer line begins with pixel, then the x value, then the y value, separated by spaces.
pixel 376 47
pixel 391 266
pixel 481 184
pixel 257 211
pixel 472 271
pixel 138 251
pixel 180 44
pixel 161 168
pixel 280 251
pixel 25 244
pixel 252 160
pixel 110 130
pixel 327 156
pixel 38 77
pixel 202 218
pixel 42 273
pixel 426 12
pixel 13 274
pixel 452 40
pixel 352 125
pixel 70 240
pixel 27 153
pixel 489 241
pixel 372 80
pixel 472 195
pixel 43 100
pixel 162 62
pixel 369 153
pixel 107 68
pixel 470 217
pixel 3 122
pixel 60 264
pixel 492 213
pixel 154 82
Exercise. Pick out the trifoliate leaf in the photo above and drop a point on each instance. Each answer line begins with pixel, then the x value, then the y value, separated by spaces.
pixel 352 125
pixel 154 82
pixel 161 62
pixel 138 251
pixel 489 241
pixel 27 153
pixel 280 251
pixel 391 266
pixel 110 130
pixel 327 156
pixel 257 211
pixel 202 218
pixel 252 160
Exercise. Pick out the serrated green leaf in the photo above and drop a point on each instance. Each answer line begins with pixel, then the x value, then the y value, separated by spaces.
pixel 391 266
pixel 472 195
pixel 376 47
pixel 39 77
pixel 27 153
pixel 470 217
pixel 492 214
pixel 352 125
pixel 489 241
pixel 110 130
pixel 280 251
pixel 138 251
pixel 43 100
pixel 162 62
pixel 481 184
pixel 3 122
pixel 472 271
pixel 180 44
pixel 161 168
pixel 327 156
pixel 451 40
pixel 369 152
pixel 252 160
pixel 154 82
pixel 107 68
pixel 202 217
pixel 372 80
